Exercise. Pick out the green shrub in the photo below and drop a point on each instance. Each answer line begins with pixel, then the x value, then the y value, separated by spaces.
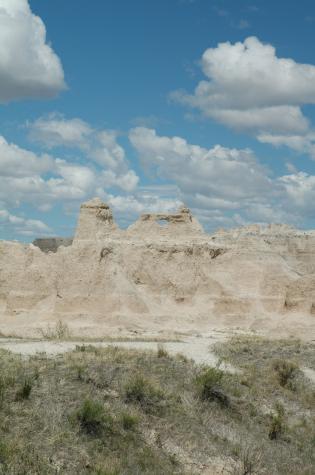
pixel 129 421
pixel 87 348
pixel 277 423
pixel 80 370
pixel 286 372
pixel 162 352
pixel 209 388
pixel 141 391
pixel 93 419
pixel 25 391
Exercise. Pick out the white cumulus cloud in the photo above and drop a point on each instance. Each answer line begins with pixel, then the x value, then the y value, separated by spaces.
pixel 23 226
pixel 225 186
pixel 54 131
pixel 29 68
pixel 15 161
pixel 99 146
pixel 249 88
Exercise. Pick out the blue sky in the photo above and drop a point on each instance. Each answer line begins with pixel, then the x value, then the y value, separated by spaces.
pixel 150 104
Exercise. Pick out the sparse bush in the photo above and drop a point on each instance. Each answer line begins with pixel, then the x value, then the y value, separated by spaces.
pixel 106 436
pixel 80 372
pixel 81 348
pixel 286 372
pixel 209 387
pixel 162 352
pixel 129 421
pixel 250 461
pixel 93 419
pixel 87 348
pixel 59 332
pixel 277 422
pixel 182 357
pixel 148 396
pixel 62 330
pixel 25 391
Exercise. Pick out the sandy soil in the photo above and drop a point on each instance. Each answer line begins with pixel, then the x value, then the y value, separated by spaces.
pixel 196 348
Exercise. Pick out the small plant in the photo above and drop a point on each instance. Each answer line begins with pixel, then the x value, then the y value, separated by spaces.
pixel 141 391
pixel 86 348
pixel 129 421
pixel 250 461
pixel 59 332
pixel 25 391
pixel 80 372
pixel 277 422
pixel 209 387
pixel 62 330
pixel 162 352
pixel 93 419
pixel 286 372
pixel 182 357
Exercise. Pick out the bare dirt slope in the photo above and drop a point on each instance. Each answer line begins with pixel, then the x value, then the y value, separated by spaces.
pixel 163 275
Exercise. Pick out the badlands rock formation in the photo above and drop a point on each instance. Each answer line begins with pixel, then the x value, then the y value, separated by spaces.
pixel 162 275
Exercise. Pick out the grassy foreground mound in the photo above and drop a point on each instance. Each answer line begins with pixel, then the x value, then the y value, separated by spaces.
pixel 113 411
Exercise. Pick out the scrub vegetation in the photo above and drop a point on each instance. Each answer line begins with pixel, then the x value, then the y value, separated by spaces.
pixel 114 411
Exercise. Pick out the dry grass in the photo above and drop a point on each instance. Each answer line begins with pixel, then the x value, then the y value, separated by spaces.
pixel 278 397
pixel 114 411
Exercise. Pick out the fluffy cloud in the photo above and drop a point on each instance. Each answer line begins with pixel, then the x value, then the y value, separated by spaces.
pixel 249 88
pixel 23 226
pixel 225 186
pixel 300 143
pixel 54 131
pixel 300 188
pixel 100 146
pixel 17 162
pixel 223 174
pixel 149 199
pixel 42 180
pixel 28 65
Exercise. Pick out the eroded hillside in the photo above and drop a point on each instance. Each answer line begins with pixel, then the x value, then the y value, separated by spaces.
pixel 162 274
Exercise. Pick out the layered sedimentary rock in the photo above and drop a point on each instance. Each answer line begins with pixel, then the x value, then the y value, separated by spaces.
pixel 163 273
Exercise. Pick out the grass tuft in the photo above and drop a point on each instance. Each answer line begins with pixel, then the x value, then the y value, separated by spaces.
pixel 25 391
pixel 277 422
pixel 286 372
pixel 129 421
pixel 93 419
pixel 149 396
pixel 162 352
pixel 209 387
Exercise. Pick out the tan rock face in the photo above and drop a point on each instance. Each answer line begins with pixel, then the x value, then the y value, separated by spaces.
pixel 163 273
pixel 168 225
pixel 95 221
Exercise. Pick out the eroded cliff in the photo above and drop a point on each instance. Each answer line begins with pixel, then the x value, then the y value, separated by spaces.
pixel 162 274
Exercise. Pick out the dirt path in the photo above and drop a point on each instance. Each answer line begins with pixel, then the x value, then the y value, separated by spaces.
pixel 195 348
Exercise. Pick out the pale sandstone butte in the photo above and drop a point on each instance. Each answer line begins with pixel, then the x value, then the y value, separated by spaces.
pixel 161 275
